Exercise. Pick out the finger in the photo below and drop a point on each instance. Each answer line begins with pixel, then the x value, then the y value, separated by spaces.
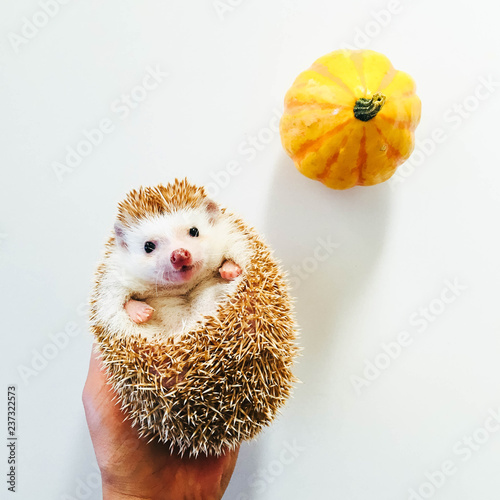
pixel 229 469
pixel 99 398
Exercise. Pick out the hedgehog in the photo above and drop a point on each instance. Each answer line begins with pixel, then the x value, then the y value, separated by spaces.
pixel 193 321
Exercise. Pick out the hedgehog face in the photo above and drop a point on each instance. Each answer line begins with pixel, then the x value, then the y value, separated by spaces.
pixel 175 249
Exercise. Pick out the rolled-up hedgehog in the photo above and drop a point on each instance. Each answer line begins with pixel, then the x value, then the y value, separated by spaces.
pixel 193 321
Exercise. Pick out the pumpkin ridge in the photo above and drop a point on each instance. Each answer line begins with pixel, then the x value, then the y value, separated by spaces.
pixel 324 71
pixel 408 93
pixel 392 151
pixel 362 156
pixel 294 104
pixel 357 59
pixel 317 143
pixel 388 78
pixel 333 159
pixel 398 123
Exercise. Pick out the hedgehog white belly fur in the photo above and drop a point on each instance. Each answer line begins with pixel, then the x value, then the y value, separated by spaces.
pixel 213 364
pixel 177 308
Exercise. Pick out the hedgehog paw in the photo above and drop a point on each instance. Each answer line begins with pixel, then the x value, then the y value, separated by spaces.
pixel 139 312
pixel 229 270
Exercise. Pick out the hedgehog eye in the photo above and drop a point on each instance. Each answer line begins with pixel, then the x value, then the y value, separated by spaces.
pixel 149 246
pixel 194 232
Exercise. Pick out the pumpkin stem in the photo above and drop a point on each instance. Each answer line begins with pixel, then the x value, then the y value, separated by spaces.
pixel 366 109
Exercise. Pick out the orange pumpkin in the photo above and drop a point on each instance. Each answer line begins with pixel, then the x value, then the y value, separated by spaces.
pixel 350 119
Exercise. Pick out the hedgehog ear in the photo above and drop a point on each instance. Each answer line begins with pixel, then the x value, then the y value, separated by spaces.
pixel 213 211
pixel 120 234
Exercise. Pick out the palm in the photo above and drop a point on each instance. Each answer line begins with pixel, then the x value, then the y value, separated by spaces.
pixel 132 466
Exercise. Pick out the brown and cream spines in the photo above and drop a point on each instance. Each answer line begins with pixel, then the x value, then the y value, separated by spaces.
pixel 224 380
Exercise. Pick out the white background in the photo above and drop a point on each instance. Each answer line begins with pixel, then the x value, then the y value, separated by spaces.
pixel 397 244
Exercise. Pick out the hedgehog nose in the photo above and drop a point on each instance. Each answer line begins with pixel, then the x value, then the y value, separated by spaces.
pixel 180 257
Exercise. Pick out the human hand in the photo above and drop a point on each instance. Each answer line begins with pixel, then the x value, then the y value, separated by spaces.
pixel 133 469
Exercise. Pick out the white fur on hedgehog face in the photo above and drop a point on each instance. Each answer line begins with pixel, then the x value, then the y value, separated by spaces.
pixel 200 233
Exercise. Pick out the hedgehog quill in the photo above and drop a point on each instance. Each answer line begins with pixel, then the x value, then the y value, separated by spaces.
pixel 193 320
